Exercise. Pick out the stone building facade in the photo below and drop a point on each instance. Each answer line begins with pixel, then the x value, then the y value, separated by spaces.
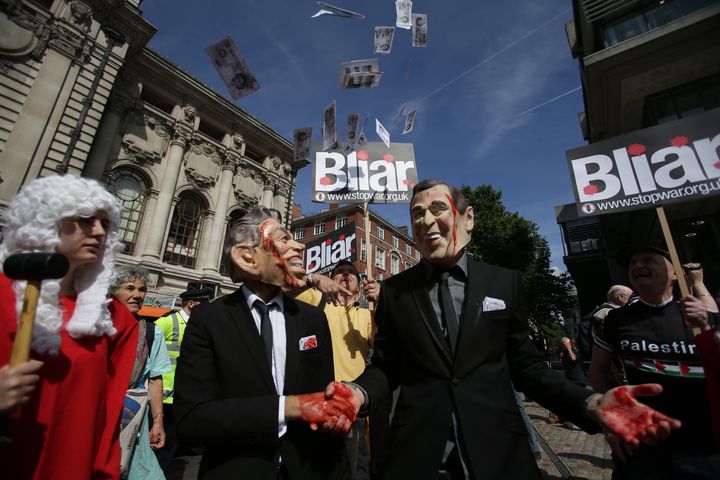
pixel 81 93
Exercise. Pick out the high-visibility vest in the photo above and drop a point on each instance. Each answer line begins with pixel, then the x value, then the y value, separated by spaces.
pixel 173 328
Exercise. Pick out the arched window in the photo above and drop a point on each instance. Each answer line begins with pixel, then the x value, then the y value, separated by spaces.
pixel 185 228
pixel 235 215
pixel 131 189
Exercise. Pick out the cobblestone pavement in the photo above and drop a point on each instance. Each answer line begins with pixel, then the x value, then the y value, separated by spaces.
pixel 580 456
pixel 583 456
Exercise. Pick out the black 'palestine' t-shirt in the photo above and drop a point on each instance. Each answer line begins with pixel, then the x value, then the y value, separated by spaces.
pixel 655 347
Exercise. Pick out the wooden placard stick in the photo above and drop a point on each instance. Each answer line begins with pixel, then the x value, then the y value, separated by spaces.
pixel 679 273
pixel 368 250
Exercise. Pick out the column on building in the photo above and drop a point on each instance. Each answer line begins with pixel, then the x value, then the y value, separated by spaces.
pixel 105 138
pixel 268 189
pixel 182 130
pixel 216 232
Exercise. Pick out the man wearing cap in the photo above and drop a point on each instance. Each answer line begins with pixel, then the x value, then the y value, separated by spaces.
pixel 655 345
pixel 351 330
pixel 173 328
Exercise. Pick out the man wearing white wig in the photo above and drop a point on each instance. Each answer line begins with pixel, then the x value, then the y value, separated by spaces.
pixel 68 426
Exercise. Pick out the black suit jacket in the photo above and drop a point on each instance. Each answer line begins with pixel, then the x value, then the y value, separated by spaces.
pixel 225 397
pixel 494 348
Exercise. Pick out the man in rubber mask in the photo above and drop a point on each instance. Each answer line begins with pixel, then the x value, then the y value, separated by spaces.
pixel 249 362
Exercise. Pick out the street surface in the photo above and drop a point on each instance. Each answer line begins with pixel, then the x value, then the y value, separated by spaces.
pixel 567 454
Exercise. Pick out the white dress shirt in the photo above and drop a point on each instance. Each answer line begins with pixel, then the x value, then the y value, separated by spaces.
pixel 277 319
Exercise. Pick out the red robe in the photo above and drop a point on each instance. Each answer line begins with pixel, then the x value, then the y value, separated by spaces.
pixel 70 428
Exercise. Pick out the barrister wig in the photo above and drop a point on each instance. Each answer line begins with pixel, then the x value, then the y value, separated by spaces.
pixel 33 225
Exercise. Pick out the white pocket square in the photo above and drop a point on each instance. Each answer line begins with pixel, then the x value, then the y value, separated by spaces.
pixel 490 304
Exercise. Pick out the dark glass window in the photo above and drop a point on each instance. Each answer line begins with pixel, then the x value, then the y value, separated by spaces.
pixel 682 101
pixel 130 188
pixel 583 235
pixel 646 16
pixel 185 228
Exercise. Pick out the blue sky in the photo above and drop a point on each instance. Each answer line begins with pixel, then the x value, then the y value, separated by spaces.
pixel 480 87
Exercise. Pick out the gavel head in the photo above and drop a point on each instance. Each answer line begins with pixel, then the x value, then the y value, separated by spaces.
pixel 35 266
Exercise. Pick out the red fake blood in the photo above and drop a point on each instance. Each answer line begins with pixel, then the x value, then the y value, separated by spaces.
pixel 362 155
pixel 716 165
pixel 268 244
pixel 388 157
pixel 679 141
pixel 316 409
pixel 406 182
pixel 311 266
pixel 454 232
pixel 328 242
pixel 325 181
pixel 636 149
pixel 629 419
pixel 590 189
pixel 341 237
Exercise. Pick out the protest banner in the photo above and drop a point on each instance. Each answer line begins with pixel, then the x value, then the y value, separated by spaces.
pixel 374 174
pixel 324 252
pixel 669 163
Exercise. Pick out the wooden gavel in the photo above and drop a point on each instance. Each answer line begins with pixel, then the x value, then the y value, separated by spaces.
pixel 33 267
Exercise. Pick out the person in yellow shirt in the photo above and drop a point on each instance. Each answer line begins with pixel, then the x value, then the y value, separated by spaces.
pixel 351 332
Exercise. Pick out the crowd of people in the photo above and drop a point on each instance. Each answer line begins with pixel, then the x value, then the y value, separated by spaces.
pixel 284 377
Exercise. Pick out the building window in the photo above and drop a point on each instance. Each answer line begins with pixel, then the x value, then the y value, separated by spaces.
pixel 380 257
pixel 319 227
pixel 408 265
pixel 363 256
pixel 682 101
pixel 235 216
pixel 583 235
pixel 395 242
pixel 340 221
pixel 185 228
pixel 648 15
pixel 299 233
pixel 394 264
pixel 130 188
pixel 381 232
pixel 408 249
pixel 417 255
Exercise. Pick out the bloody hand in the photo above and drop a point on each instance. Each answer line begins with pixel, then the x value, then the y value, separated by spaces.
pixel 632 421
pixel 319 409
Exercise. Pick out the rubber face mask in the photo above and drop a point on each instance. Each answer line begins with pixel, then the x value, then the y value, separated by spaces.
pixel 278 258
pixel 439 230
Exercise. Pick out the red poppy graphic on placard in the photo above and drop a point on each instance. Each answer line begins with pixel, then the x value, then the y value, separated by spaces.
pixel 342 237
pixel 636 149
pixel 679 141
pixel 325 181
pixel 362 155
pixel 388 157
pixel 590 189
